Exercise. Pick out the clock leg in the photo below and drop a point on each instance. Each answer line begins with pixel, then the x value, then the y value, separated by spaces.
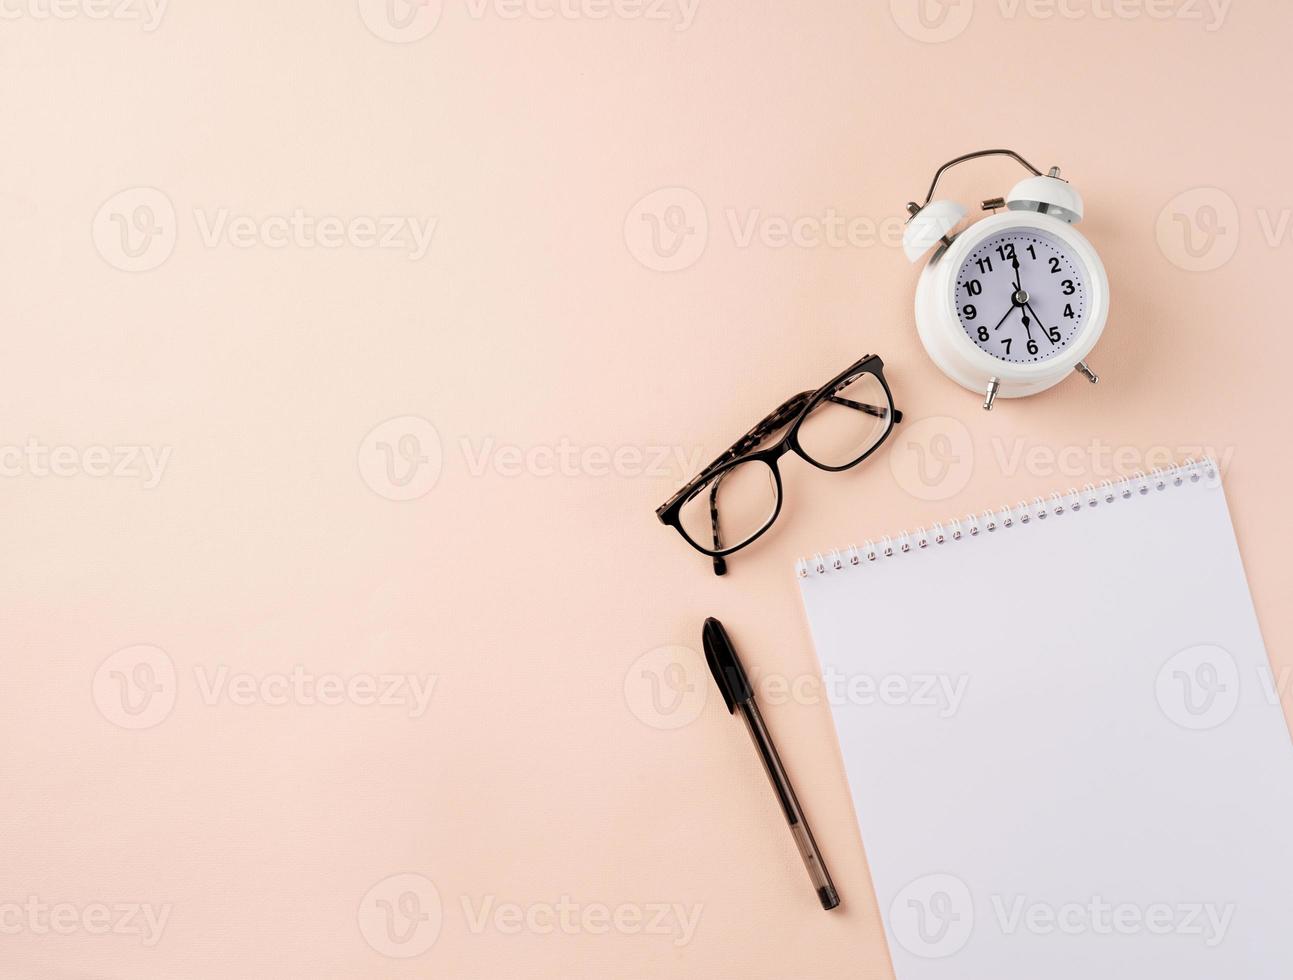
pixel 1083 369
pixel 993 387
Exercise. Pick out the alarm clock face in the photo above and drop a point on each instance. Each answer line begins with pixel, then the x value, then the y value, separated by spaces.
pixel 1022 295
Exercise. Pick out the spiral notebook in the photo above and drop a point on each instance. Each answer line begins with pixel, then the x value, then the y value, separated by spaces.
pixel 1064 740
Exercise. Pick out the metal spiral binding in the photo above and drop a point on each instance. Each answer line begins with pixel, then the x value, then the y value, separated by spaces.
pixel 1090 496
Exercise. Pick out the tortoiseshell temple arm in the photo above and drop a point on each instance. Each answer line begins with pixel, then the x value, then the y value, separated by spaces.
pixel 752 438
pixel 720 564
pixel 779 416
pixel 878 411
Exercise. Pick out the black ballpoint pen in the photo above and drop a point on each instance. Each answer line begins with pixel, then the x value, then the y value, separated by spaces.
pixel 735 688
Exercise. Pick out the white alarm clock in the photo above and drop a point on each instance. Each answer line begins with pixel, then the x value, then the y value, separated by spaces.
pixel 1013 304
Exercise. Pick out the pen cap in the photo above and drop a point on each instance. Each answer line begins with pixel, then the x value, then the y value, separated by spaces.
pixel 728 673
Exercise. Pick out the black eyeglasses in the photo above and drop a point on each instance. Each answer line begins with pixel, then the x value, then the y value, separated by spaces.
pixel 736 498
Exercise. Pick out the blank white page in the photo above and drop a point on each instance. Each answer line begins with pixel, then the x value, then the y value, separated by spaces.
pixel 1065 745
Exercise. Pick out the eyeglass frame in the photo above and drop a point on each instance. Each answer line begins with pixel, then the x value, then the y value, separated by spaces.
pixel 792 413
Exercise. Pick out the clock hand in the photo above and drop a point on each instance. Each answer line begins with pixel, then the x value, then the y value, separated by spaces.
pixel 1028 325
pixel 1040 324
pixel 1015 263
pixel 1017 300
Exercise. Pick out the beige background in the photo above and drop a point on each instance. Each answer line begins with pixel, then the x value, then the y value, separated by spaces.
pixel 552 372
